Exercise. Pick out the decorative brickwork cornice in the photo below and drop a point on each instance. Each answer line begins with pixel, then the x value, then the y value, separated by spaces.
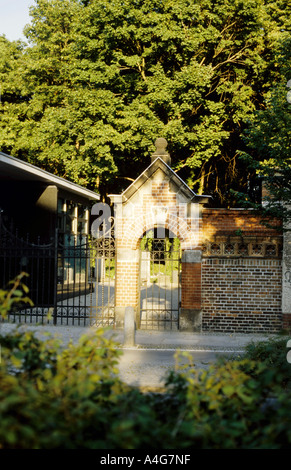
pixel 256 247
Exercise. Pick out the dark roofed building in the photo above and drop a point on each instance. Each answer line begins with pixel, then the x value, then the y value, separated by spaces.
pixel 37 202
pixel 44 228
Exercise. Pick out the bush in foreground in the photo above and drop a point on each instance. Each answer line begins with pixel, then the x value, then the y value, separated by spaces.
pixel 53 397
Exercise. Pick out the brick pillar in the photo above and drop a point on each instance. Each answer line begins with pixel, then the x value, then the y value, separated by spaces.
pixel 286 281
pixel 126 283
pixel 190 312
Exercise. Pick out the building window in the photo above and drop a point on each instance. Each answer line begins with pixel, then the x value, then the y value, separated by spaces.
pixel 73 218
pixel 73 224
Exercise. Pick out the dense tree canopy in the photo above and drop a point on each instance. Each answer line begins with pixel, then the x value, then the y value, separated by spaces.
pixel 268 142
pixel 100 80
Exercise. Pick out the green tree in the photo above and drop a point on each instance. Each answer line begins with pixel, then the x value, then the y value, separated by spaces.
pixel 13 95
pixel 58 127
pixel 105 78
pixel 269 144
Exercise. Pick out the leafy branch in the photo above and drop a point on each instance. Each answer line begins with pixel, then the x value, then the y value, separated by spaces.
pixel 16 295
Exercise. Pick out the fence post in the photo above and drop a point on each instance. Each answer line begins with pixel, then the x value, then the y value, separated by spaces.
pixel 55 314
pixel 129 327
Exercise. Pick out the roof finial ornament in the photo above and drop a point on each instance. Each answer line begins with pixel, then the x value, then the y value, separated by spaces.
pixel 161 145
pixel 161 151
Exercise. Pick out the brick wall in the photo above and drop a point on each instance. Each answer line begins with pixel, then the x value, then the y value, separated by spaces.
pixel 217 222
pixel 241 277
pixel 242 295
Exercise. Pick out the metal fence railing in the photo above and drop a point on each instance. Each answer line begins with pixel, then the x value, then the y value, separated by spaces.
pixel 70 280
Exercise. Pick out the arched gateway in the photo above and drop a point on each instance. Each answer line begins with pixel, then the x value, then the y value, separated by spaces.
pixel 177 261
pixel 158 260
pixel 225 275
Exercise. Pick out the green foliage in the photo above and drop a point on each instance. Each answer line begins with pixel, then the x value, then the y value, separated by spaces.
pixel 273 354
pixel 168 260
pixel 268 144
pixel 235 405
pixel 56 397
pixel 53 397
pixel 146 243
pixel 14 296
pixel 101 80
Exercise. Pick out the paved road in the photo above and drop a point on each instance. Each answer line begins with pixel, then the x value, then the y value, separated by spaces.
pixel 149 367
pixel 151 358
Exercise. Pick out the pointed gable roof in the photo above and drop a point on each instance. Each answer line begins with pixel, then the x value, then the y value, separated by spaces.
pixel 161 161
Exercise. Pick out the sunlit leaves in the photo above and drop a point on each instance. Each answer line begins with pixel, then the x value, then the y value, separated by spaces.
pixel 101 80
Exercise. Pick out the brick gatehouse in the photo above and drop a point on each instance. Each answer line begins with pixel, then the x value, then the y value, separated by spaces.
pixel 233 275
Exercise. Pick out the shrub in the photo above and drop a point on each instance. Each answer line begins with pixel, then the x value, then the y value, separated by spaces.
pixel 15 295
pixel 273 353
pixel 50 397
pixel 72 398
pixel 53 397
pixel 239 404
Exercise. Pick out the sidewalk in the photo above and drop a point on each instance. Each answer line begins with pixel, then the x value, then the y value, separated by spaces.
pixel 151 339
pixel 147 339
pixel 147 363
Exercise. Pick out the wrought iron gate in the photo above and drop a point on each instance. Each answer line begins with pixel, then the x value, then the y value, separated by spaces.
pixel 71 280
pixel 160 265
pixel 86 281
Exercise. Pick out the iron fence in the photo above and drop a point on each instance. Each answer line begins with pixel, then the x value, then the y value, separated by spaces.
pixel 160 266
pixel 71 280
